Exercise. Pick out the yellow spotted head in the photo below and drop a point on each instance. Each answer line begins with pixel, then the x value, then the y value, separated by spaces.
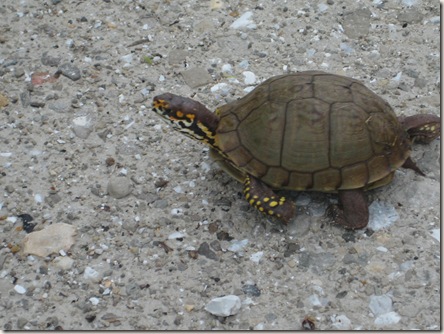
pixel 188 116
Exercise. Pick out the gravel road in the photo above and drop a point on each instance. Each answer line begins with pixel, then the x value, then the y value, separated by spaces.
pixel 111 220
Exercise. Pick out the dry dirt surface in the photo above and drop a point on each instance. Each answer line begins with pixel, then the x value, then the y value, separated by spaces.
pixel 149 230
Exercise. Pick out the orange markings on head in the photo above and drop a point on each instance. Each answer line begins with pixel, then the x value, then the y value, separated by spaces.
pixel 179 114
pixel 191 116
pixel 160 104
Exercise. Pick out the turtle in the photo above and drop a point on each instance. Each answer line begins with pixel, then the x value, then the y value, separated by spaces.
pixel 305 131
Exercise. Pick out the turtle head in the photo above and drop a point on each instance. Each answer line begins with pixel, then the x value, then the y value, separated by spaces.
pixel 187 116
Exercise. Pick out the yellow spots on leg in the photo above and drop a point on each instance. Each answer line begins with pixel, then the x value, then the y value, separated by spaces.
pixel 270 212
pixel 273 204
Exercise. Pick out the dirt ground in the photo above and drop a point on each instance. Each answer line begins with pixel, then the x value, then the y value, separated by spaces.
pixel 160 230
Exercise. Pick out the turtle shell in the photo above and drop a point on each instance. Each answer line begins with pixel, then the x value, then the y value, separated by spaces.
pixel 312 131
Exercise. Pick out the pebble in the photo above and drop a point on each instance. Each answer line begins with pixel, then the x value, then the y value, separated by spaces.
pixel 63 262
pixel 60 106
pixel 389 318
pixel 251 290
pixel 357 23
pixel 224 306
pixel 70 71
pixel 49 240
pixel 256 257
pixel 20 289
pixel 436 233
pixel 82 126
pixel 341 322
pixel 380 304
pixel 227 69
pixel 48 60
pixel 177 235
pixel 237 245
pixel 196 77
pixel 244 21
pixel 204 249
pixel 94 300
pixel 4 101
pixel 92 275
pixel 381 215
pixel 249 78
pixel 119 187
pixel 222 89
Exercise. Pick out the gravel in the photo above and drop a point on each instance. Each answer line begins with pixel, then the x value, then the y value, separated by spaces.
pixel 155 231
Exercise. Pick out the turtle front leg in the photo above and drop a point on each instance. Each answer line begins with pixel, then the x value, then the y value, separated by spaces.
pixel 263 198
pixel 352 211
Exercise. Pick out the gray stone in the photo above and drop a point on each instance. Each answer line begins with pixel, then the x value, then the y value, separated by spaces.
pixel 224 306
pixel 380 304
pixel 357 24
pixel 196 77
pixel 177 56
pixel 49 60
pixel 119 187
pixel 70 71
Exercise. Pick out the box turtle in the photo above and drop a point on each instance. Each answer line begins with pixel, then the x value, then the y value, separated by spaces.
pixel 305 131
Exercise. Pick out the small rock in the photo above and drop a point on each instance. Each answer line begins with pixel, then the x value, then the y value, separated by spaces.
pixel 188 307
pixel 251 290
pixel 63 262
pixel 389 318
pixel 59 106
pixel 49 240
pixel 119 187
pixel 341 322
pixel 244 21
pixel 381 215
pixel 92 275
pixel 224 306
pixel 256 257
pixel 237 245
pixel 249 78
pixel 20 289
pixel 380 304
pixel 196 77
pixel 70 71
pixel 82 126
pixel 177 56
pixel 204 249
pixel 49 60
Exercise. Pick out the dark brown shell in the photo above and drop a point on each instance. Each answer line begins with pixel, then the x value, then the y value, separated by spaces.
pixel 313 131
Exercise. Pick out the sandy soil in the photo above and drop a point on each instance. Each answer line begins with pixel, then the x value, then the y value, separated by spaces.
pixel 160 229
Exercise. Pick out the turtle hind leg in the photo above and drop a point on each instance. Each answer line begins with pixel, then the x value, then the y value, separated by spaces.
pixel 266 201
pixel 352 211
pixel 410 164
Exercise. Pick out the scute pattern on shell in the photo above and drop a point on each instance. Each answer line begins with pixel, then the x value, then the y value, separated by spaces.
pixel 313 131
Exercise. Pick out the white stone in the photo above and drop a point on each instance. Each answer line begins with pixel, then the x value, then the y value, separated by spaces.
pixel 91 274
pixel 381 215
pixel 436 233
pixel 49 240
pixel 244 21
pixel 20 289
pixel 224 306
pixel 380 304
pixel 389 318
pixel 249 77
pixel 94 300
pixel 256 257
pixel 82 126
pixel 64 263
pixel 237 245
pixel 341 322
pixel 176 235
